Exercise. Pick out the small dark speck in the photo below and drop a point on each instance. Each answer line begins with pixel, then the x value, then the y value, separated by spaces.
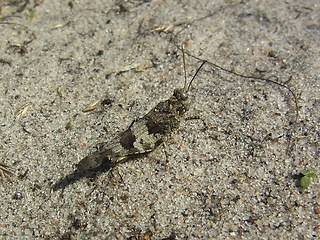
pixel 234 181
pixel 236 198
pixel 107 76
pixel 100 53
pixel 122 9
pixel 77 224
pixel 17 196
pixel 272 54
pixel 70 4
pixel 107 102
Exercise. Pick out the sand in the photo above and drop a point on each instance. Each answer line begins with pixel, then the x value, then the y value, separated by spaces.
pixel 230 172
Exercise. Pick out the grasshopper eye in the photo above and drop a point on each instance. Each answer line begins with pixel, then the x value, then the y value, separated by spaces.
pixel 180 94
pixel 184 96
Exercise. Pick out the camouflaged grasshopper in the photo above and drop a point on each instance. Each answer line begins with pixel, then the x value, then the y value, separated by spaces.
pixel 145 134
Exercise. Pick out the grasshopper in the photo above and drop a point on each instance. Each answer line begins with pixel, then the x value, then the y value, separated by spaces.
pixel 145 134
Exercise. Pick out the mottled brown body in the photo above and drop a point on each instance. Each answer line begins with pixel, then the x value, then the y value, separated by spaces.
pixel 144 135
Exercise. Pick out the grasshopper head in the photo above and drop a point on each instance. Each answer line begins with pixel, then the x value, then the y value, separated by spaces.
pixel 181 96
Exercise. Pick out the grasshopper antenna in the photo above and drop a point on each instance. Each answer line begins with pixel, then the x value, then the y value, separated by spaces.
pixel 184 68
pixel 259 79
pixel 186 89
pixel 194 76
pixel 249 77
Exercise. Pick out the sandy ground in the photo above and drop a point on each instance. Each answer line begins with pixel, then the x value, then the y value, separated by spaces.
pixel 230 172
